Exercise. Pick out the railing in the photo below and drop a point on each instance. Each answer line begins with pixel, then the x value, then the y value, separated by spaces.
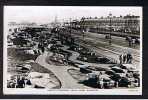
pixel 121 34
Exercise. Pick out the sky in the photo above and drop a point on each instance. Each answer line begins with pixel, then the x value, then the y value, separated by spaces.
pixel 46 14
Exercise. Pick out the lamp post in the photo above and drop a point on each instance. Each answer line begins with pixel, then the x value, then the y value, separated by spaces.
pixel 110 15
pixel 83 27
pixel 70 27
pixel 97 28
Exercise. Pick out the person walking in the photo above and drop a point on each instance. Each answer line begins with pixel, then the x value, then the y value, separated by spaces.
pixel 127 57
pixel 130 42
pixel 120 58
pixel 133 42
pixel 124 58
pixel 116 84
pixel 43 49
pixel 101 83
pixel 130 58
pixel 20 82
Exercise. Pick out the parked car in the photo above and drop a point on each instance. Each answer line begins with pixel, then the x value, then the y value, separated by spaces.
pixel 124 82
pixel 110 72
pixel 117 69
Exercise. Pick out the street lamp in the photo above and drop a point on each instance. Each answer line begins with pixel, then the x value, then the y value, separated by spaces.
pixel 97 28
pixel 71 38
pixel 70 27
pixel 110 15
pixel 83 27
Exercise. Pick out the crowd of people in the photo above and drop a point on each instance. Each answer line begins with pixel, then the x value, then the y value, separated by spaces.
pixel 18 82
pixel 125 58
pixel 132 41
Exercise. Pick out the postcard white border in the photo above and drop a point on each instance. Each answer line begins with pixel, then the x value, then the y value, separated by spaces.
pixel 15 91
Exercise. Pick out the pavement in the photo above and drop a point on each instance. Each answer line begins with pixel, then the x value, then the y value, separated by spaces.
pixel 67 81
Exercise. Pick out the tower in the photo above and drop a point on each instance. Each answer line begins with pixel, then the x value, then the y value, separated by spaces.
pixel 55 21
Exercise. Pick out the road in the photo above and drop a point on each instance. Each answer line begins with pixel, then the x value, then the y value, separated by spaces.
pixel 99 44
pixel 115 40
pixel 101 37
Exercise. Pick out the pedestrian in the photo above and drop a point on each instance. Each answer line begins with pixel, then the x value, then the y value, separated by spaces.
pixel 101 83
pixel 127 57
pixel 136 83
pixel 120 58
pixel 130 42
pixel 28 82
pixel 42 48
pixel 116 84
pixel 20 82
pixel 23 82
pixel 17 82
pixel 35 52
pixel 39 52
pixel 39 45
pixel 133 42
pixel 124 58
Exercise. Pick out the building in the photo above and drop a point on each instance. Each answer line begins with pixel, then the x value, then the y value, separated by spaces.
pixel 124 24
pixel 16 27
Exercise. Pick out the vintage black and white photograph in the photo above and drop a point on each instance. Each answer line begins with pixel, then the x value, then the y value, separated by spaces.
pixel 76 50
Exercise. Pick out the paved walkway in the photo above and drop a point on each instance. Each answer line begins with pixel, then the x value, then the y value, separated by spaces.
pixel 66 79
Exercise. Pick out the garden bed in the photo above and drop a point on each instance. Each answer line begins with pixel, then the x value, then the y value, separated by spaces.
pixel 17 57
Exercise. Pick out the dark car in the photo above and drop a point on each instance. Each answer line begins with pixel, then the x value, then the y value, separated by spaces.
pixel 102 60
pixel 115 77
pixel 117 70
pixel 110 72
pixel 124 82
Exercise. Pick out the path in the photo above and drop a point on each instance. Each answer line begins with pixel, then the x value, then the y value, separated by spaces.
pixel 61 73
